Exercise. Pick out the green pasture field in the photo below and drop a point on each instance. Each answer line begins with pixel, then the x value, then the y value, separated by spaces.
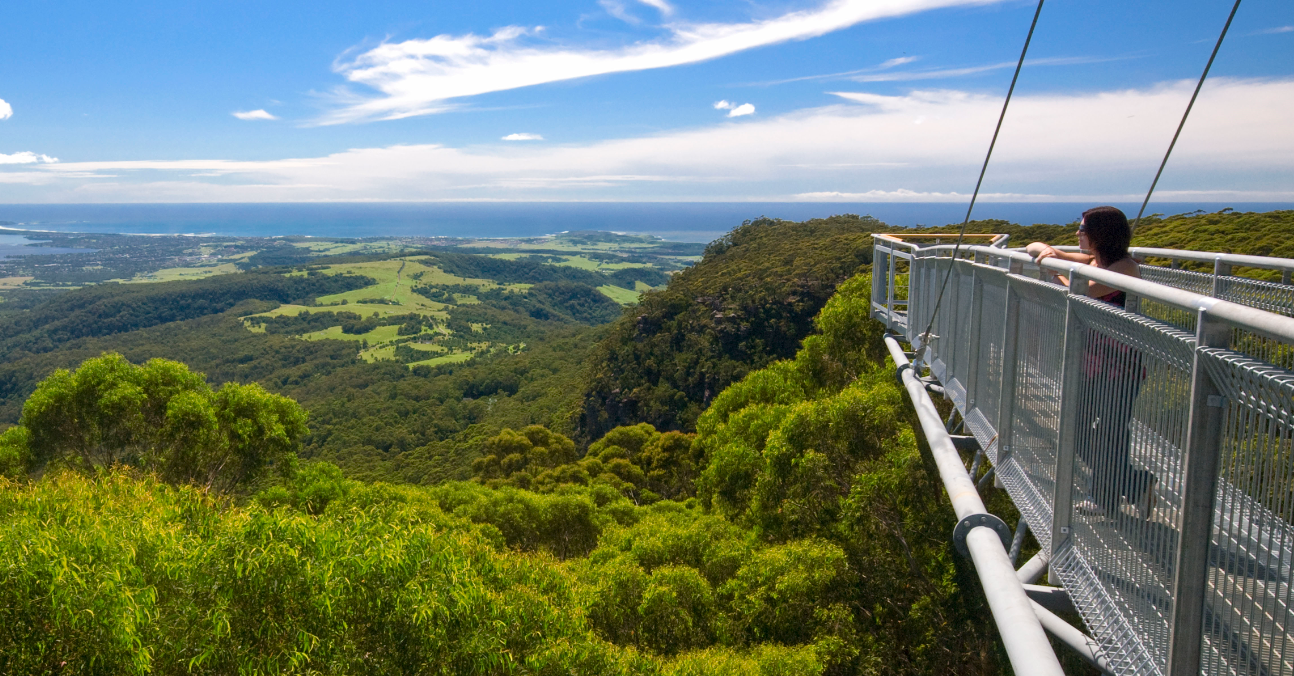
pixel 334 248
pixel 452 358
pixel 379 335
pixel 175 274
pixel 621 295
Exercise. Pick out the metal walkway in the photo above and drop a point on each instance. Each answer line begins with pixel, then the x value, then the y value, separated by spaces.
pixel 1149 449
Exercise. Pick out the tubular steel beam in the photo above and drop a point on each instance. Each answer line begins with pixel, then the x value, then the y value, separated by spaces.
pixel 1074 639
pixel 1033 568
pixel 1022 634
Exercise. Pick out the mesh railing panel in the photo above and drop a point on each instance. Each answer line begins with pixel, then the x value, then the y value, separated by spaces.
pixel 1035 409
pixel 964 281
pixel 1186 280
pixel 1130 402
pixel 1269 296
pixel 988 370
pixel 1119 641
pixel 1249 618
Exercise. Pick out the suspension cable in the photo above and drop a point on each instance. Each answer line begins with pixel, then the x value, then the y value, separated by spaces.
pixel 1186 114
pixel 925 336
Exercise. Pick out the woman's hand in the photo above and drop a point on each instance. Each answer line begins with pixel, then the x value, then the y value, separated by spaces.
pixel 1040 251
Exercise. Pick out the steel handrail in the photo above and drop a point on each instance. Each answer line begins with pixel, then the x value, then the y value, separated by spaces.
pixel 1262 322
pixel 1237 260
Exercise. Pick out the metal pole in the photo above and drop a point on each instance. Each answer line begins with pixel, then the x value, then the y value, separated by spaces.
pixel 1063 498
pixel 1018 541
pixel 1199 480
pixel 889 293
pixel 1082 644
pixel 1033 568
pixel 1022 634
pixel 1006 400
pixel 974 337
pixel 1220 271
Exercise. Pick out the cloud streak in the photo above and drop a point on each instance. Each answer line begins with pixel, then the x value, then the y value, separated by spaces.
pixel 523 137
pixel 424 76
pixel 923 146
pixel 259 114
pixel 6 110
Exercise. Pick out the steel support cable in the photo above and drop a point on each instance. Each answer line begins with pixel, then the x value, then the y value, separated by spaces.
pixel 925 337
pixel 1186 114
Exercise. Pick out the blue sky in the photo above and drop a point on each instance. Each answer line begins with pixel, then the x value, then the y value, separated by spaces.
pixel 856 100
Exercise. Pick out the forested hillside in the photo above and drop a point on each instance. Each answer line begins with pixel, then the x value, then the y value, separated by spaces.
pixel 806 534
pixel 748 302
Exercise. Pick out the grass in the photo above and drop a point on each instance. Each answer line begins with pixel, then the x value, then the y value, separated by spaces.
pixel 381 334
pixel 176 274
pixel 452 358
pixel 379 353
pixel 13 282
pixel 427 347
pixel 620 295
pixel 394 283
pixel 332 248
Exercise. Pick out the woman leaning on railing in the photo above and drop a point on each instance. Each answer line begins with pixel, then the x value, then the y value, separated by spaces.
pixel 1111 376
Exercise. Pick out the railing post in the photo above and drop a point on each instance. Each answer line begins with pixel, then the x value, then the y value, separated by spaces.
pixel 1062 502
pixel 877 252
pixel 889 291
pixel 973 338
pixel 1132 303
pixel 1006 400
pixel 1285 276
pixel 953 333
pixel 1220 270
pixel 1199 487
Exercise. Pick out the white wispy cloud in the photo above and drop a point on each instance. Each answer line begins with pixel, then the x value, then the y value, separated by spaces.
pixel 898 61
pixel 258 114
pixel 661 6
pixel 617 9
pixel 26 157
pixel 424 76
pixel 523 137
pixel 6 110
pixel 905 195
pixel 1273 31
pixel 733 109
pixel 879 74
pixel 1238 145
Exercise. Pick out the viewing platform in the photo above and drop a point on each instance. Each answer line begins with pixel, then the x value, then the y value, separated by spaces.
pixel 1149 448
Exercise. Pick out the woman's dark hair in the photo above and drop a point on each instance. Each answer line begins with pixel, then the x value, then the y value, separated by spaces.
pixel 1107 229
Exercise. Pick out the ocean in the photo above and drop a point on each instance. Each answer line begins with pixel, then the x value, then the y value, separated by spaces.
pixel 684 222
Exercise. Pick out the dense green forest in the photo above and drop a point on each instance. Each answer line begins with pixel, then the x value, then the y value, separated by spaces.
pixel 804 533
pixel 748 302
pixel 722 477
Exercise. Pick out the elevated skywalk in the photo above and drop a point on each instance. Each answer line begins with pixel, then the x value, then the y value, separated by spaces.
pixel 1148 449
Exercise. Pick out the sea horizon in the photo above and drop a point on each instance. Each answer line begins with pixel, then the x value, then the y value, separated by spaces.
pixel 675 221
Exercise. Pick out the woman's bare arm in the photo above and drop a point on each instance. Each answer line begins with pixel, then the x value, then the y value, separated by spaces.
pixel 1040 251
